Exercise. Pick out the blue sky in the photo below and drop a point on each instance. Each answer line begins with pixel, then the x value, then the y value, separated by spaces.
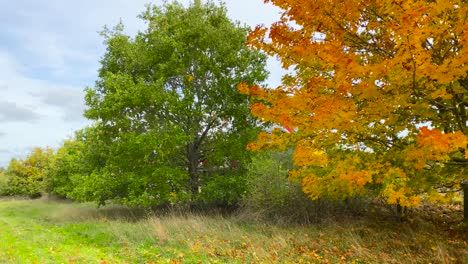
pixel 50 51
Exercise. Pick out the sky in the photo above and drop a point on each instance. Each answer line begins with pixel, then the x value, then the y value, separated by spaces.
pixel 50 51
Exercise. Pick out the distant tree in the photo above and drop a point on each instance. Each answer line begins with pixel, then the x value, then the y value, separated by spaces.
pixel 77 169
pixel 3 180
pixel 26 177
pixel 166 101
pixel 67 162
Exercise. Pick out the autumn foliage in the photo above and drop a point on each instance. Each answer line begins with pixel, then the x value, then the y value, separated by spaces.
pixel 378 100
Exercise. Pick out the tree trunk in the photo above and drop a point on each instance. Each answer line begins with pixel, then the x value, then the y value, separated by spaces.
pixel 401 212
pixel 465 202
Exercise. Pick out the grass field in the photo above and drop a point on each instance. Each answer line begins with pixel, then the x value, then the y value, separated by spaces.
pixel 42 231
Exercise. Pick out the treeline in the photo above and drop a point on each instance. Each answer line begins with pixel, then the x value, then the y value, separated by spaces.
pixel 170 127
pixel 77 171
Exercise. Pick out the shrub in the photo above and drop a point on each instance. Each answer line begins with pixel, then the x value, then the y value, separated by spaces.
pixel 272 196
pixel 224 190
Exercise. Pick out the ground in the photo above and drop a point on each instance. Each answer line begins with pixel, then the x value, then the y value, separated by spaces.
pixel 44 231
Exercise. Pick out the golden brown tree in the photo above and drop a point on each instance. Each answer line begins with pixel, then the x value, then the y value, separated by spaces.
pixel 378 101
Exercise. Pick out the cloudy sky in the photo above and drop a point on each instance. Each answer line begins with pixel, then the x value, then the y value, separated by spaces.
pixel 50 51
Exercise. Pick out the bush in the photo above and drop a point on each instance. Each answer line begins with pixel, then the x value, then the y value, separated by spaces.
pixel 223 190
pixel 272 196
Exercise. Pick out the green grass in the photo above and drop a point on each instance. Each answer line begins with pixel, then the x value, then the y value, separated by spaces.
pixel 41 231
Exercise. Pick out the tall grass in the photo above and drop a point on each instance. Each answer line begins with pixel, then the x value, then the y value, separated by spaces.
pixel 44 231
pixel 183 235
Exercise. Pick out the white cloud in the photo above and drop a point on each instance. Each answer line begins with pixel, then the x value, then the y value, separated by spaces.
pixel 68 101
pixel 11 112
pixel 33 112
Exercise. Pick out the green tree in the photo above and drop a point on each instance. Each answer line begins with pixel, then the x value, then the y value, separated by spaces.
pixel 26 177
pixel 67 162
pixel 120 169
pixel 3 180
pixel 166 100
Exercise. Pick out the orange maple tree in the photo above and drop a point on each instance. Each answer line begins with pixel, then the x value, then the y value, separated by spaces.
pixel 378 98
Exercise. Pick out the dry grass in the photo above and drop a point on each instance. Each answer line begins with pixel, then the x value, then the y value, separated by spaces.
pixel 121 235
pixel 431 235
pixel 349 241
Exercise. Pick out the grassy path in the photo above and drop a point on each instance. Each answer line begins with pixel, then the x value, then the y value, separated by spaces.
pixel 51 232
pixel 39 232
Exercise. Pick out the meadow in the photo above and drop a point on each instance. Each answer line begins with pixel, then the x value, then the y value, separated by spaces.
pixel 48 231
